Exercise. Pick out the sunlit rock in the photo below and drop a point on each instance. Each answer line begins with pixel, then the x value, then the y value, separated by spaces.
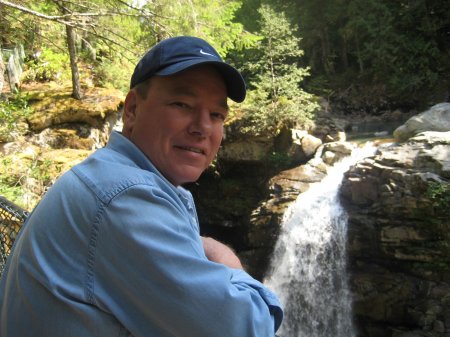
pixel 304 146
pixel 437 118
pixel 56 107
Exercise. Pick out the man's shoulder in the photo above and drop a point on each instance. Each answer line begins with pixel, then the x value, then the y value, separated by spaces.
pixel 107 173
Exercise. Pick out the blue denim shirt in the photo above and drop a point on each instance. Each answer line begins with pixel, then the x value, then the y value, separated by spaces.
pixel 113 249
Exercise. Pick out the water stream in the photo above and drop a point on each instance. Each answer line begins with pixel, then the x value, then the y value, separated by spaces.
pixel 309 262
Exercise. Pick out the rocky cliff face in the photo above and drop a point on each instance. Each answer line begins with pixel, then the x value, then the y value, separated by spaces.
pixel 399 238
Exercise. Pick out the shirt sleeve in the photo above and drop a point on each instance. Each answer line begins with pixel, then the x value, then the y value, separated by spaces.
pixel 149 270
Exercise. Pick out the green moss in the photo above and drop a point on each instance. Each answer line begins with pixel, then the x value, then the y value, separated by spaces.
pixel 439 193
pixel 53 100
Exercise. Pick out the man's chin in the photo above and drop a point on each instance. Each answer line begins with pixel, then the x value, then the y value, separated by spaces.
pixel 189 175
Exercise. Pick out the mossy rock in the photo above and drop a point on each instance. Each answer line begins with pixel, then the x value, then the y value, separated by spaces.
pixel 53 105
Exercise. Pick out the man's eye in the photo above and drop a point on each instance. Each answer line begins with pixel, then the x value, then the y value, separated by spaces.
pixel 218 115
pixel 181 105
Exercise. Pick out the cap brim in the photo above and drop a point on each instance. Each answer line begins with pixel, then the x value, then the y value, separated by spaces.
pixel 236 89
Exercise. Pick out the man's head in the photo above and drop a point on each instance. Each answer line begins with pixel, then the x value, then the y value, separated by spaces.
pixel 176 54
pixel 177 106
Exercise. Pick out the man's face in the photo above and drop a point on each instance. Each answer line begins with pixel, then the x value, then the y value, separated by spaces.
pixel 179 125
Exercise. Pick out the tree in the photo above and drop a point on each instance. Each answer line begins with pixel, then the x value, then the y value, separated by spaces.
pixel 70 38
pixel 397 45
pixel 79 17
pixel 119 30
pixel 212 20
pixel 380 50
pixel 277 99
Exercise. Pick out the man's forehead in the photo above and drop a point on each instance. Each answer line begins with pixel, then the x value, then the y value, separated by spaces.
pixel 185 85
pixel 185 90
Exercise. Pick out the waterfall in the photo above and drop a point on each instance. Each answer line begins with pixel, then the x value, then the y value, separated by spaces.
pixel 308 267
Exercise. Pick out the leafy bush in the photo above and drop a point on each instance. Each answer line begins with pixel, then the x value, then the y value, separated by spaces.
pixel 10 186
pixel 13 112
pixel 48 66
pixel 24 178
pixel 12 193
pixel 113 74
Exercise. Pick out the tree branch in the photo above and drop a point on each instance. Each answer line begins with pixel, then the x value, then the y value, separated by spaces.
pixel 75 15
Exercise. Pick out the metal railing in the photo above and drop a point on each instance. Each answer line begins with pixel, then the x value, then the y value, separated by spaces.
pixel 11 67
pixel 11 219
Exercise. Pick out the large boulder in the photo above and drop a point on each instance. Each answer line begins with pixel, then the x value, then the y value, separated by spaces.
pixel 398 203
pixel 246 150
pixel 298 146
pixel 335 151
pixel 437 118
pixel 304 146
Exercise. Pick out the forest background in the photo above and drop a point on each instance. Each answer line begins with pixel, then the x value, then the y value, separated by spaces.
pixel 362 56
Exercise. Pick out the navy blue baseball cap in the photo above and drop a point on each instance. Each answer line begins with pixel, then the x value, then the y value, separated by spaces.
pixel 176 54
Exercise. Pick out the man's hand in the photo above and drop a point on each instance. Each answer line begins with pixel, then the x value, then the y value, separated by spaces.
pixel 218 252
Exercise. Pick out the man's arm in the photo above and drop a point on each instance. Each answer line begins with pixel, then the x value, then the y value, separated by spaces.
pixel 216 251
pixel 158 277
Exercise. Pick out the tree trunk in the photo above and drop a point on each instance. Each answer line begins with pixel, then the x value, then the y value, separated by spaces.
pixel 76 91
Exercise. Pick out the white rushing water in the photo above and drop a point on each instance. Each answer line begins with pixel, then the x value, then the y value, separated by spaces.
pixel 308 267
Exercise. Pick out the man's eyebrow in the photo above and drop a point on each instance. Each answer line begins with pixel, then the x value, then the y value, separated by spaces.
pixel 187 92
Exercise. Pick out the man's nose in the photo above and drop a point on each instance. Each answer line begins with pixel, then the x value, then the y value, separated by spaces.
pixel 201 124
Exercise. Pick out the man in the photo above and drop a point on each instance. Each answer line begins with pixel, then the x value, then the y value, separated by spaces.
pixel 113 248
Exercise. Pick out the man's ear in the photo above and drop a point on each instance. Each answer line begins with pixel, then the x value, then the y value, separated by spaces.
pixel 129 112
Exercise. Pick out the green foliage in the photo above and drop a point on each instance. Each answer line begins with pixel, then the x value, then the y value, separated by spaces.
pixel 248 16
pixel 9 185
pixel 376 48
pixel 276 98
pixel 114 74
pixel 39 170
pixel 439 193
pixel 398 48
pixel 13 112
pixel 112 35
pixel 49 66
pixel 125 38
pixel 212 20
pixel 24 178
pixel 12 193
pixel 404 62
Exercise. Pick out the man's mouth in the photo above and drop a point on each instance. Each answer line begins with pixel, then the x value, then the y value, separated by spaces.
pixel 192 149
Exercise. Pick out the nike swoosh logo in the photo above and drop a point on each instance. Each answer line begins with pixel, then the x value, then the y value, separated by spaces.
pixel 205 53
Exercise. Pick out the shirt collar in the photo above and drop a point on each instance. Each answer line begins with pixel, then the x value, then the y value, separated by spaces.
pixel 121 144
